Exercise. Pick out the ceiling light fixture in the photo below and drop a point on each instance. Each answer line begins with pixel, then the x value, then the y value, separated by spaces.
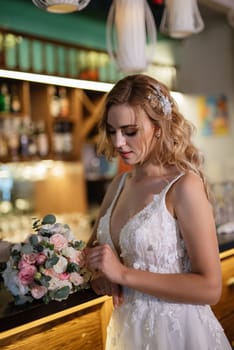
pixel 181 18
pixel 61 6
pixel 129 24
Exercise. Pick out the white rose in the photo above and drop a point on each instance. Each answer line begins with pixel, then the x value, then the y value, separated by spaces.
pixel 69 252
pixel 61 265
pixel 56 283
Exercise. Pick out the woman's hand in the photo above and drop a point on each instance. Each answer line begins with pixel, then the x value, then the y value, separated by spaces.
pixel 102 259
pixel 102 286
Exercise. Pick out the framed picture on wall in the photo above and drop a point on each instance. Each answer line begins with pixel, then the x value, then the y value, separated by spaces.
pixel 213 115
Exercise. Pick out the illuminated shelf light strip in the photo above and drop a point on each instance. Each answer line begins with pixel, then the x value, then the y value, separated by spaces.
pixel 50 79
pixel 69 82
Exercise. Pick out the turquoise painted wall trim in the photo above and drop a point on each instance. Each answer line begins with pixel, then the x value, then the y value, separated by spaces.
pixel 76 28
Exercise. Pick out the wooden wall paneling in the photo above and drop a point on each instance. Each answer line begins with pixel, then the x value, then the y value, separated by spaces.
pixel 93 118
pixel 63 190
pixel 77 117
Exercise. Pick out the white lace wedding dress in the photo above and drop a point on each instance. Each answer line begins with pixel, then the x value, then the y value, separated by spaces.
pixel 151 241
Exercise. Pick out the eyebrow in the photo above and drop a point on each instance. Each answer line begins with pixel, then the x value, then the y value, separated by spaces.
pixel 123 126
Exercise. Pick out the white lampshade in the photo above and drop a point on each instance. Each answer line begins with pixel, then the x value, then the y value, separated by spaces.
pixel 181 18
pixel 61 6
pixel 131 22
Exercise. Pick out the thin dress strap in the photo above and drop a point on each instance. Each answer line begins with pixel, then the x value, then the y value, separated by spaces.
pixel 168 186
pixel 120 186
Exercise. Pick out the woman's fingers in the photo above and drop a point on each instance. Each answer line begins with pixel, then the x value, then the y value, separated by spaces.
pixel 117 295
pixel 96 256
pixel 103 259
pixel 102 286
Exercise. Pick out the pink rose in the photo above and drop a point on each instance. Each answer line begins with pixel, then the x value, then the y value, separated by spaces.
pixel 78 258
pixel 26 274
pixel 41 258
pixel 38 291
pixel 22 264
pixel 30 258
pixel 63 276
pixel 50 272
pixel 59 241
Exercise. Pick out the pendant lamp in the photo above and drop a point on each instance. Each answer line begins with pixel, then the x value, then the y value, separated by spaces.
pixel 181 18
pixel 130 27
pixel 61 6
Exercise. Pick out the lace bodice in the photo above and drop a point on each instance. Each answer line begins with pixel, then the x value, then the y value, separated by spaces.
pixel 150 240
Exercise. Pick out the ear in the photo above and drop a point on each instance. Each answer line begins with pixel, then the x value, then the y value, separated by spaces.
pixel 157 133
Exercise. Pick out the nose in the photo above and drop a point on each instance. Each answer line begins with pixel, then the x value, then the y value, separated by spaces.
pixel 119 139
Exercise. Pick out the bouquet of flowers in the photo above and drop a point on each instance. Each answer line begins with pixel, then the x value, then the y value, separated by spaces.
pixel 49 265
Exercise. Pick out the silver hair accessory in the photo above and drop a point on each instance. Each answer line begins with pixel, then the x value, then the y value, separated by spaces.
pixel 163 100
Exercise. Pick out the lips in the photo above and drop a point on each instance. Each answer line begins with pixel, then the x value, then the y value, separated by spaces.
pixel 125 154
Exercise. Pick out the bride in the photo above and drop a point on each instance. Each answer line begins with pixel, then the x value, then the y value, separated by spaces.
pixel 154 245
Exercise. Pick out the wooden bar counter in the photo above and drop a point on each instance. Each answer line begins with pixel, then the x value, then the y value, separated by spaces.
pixel 80 322
pixel 77 323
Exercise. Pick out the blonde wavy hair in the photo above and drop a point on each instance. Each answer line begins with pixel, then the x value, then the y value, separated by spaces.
pixel 175 146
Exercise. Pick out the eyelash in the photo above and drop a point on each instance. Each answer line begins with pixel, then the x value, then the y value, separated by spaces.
pixel 131 133
pixel 127 133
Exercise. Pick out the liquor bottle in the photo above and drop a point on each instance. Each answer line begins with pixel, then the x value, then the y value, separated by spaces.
pixel 32 139
pixel 24 139
pixel 12 131
pixel 58 139
pixel 2 105
pixel 42 139
pixel 4 99
pixel 3 141
pixel 64 103
pixel 54 102
pixel 15 100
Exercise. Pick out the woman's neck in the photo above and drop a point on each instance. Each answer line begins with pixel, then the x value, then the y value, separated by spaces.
pixel 141 171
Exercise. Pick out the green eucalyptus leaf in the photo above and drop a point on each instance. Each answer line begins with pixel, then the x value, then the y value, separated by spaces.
pixel 39 248
pixel 27 248
pixel 47 298
pixel 44 280
pixel 45 232
pixel 33 240
pixel 62 293
pixel 49 219
pixel 72 267
pixel 48 245
pixel 78 245
pixel 51 261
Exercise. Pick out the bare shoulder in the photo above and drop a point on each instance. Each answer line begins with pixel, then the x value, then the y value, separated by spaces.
pixel 188 193
pixel 189 183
